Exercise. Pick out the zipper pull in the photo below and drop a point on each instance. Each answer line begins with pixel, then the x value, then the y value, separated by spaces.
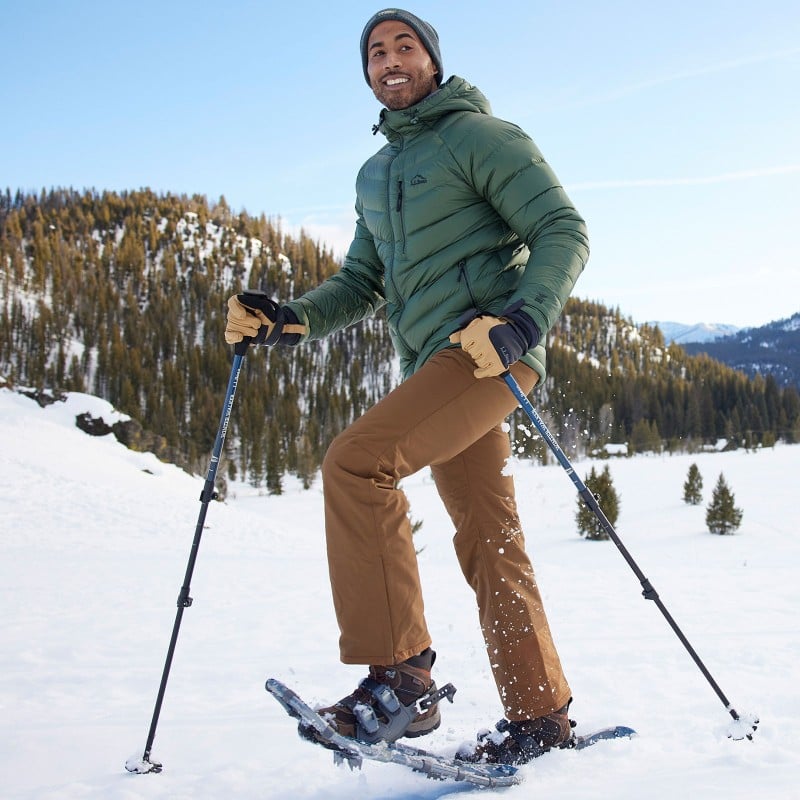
pixel 399 195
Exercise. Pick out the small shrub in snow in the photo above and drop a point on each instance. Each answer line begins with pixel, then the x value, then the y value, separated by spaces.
pixel 693 487
pixel 722 516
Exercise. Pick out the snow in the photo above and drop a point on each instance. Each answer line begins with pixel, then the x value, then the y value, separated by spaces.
pixel 95 541
pixel 793 323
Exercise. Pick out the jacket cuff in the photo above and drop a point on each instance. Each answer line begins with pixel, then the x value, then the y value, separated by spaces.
pixel 289 318
pixel 522 324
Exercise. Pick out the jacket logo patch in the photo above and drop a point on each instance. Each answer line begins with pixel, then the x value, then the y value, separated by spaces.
pixel 418 179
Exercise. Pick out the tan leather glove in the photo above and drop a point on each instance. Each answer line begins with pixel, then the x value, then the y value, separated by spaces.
pixel 475 340
pixel 495 343
pixel 257 317
pixel 244 321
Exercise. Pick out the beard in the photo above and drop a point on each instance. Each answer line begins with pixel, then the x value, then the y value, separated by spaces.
pixel 419 86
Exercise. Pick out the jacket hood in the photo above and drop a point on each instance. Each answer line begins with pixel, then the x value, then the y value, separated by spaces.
pixel 455 95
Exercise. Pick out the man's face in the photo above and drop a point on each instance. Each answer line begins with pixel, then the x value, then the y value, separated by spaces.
pixel 400 70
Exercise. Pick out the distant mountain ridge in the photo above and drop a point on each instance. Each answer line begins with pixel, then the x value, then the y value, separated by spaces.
pixel 681 333
pixel 772 349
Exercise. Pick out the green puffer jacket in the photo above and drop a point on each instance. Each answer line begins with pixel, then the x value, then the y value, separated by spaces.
pixel 457 211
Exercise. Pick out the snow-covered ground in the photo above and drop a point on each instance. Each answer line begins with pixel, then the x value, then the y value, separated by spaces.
pixel 94 545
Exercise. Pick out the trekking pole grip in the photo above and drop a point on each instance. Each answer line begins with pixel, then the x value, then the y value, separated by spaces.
pixel 252 298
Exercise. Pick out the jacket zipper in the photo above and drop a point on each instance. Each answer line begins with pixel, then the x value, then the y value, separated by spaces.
pixel 400 212
pixel 390 272
pixel 398 206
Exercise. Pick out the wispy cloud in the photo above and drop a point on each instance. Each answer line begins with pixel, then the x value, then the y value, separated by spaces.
pixel 332 224
pixel 699 180
pixel 697 72
pixel 612 94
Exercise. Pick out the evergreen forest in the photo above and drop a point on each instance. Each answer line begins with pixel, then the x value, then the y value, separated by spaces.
pixel 123 295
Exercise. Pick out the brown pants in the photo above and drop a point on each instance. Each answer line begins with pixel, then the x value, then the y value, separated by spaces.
pixel 445 418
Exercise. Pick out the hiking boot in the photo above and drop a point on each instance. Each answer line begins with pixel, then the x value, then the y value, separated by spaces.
pixel 520 741
pixel 393 701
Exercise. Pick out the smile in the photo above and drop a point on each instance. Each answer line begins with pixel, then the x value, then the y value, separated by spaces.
pixel 395 81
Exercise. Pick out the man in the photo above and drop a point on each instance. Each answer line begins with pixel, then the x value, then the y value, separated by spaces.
pixel 467 239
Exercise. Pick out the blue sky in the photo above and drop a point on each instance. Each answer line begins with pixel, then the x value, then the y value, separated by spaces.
pixel 674 126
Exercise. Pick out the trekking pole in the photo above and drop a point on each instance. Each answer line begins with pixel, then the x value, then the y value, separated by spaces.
pixel 743 727
pixel 144 764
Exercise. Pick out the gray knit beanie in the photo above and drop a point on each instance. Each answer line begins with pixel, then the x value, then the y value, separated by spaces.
pixel 427 35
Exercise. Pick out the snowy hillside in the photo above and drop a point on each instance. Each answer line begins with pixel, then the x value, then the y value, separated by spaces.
pixel 93 551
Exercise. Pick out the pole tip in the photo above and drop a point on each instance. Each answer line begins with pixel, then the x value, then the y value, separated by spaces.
pixel 742 727
pixel 141 764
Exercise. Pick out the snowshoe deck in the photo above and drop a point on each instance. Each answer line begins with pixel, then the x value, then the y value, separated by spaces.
pixel 433 765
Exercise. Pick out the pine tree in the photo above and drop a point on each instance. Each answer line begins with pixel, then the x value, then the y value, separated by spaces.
pixel 692 488
pixel 645 437
pixel 722 516
pixel 124 295
pixel 602 487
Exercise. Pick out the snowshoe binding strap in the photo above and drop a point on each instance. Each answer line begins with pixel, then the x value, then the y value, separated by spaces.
pixel 370 727
pixel 393 718
pixel 433 697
